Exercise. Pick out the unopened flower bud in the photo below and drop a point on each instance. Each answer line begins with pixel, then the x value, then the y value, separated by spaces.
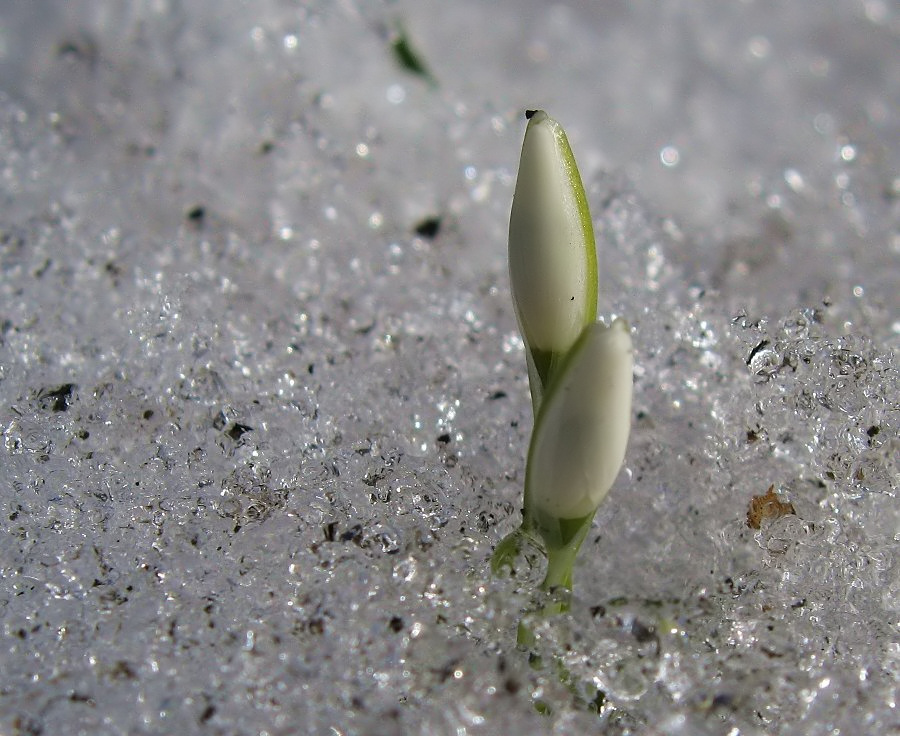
pixel 582 429
pixel 552 256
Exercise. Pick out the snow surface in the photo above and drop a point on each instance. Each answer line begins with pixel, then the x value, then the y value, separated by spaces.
pixel 263 403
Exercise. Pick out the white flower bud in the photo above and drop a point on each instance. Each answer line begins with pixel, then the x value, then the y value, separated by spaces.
pixel 552 256
pixel 581 431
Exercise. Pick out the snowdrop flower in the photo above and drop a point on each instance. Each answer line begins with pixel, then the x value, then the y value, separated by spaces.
pixel 582 429
pixel 552 257
pixel 579 370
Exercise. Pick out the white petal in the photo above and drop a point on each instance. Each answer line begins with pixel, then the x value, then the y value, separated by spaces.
pixel 552 257
pixel 581 431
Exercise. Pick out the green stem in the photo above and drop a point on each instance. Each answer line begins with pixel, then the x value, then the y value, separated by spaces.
pixel 559 568
pixel 563 539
